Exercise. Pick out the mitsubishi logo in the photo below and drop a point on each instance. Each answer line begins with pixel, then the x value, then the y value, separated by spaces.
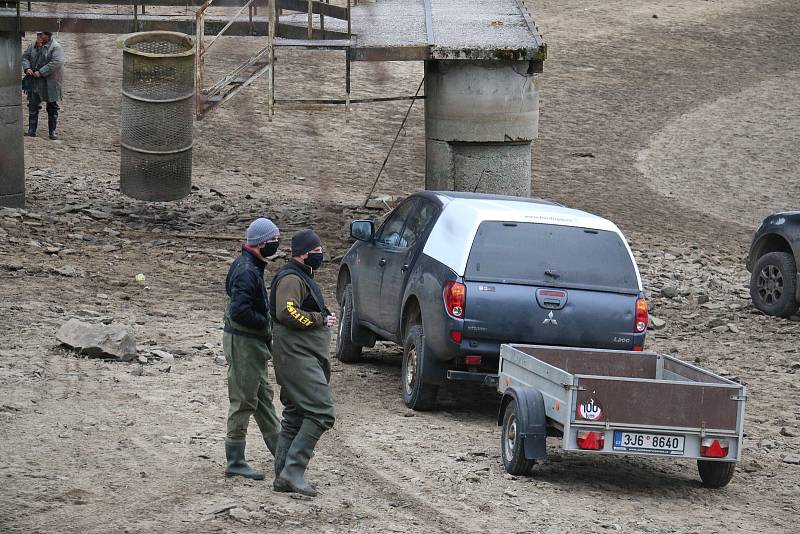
pixel 550 319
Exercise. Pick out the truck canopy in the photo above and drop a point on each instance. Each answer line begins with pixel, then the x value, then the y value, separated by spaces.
pixel 551 255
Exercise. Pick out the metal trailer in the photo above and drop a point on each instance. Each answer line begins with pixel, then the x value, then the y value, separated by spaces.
pixel 617 402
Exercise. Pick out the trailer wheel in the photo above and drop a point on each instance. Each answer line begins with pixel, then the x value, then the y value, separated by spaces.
pixel 346 350
pixel 715 474
pixel 512 444
pixel 417 395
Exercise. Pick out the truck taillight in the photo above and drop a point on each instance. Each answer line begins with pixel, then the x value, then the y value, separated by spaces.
pixel 593 441
pixel 641 316
pixel 714 448
pixel 455 297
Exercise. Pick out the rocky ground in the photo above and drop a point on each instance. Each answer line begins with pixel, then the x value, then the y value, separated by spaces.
pixel 652 115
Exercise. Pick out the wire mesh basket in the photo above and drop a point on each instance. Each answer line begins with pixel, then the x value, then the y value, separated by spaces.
pixel 157 115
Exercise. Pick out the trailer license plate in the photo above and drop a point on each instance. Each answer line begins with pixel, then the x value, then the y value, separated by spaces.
pixel 652 443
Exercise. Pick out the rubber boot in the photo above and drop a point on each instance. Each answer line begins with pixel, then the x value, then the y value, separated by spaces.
pixel 292 477
pixel 271 441
pixel 33 123
pixel 281 449
pixel 52 124
pixel 234 452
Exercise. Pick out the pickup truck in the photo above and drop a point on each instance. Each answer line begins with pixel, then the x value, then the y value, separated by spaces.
pixel 450 276
pixel 773 259
pixel 618 402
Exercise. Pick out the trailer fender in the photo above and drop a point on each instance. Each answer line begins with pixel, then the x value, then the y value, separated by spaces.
pixel 531 417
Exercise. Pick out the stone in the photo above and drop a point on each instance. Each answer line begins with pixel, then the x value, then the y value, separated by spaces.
pixel 656 323
pixel 98 340
pixel 788 433
pixel 669 292
pixel 164 355
pixel 142 359
pixel 66 270
pixel 715 323
pixel 793 459
pixel 379 203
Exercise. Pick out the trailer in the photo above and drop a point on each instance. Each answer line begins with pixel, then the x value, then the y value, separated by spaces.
pixel 617 402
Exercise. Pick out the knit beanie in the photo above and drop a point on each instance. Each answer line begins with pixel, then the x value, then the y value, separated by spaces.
pixel 303 241
pixel 261 230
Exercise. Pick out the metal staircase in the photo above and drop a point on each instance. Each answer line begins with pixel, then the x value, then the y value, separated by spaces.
pixel 279 35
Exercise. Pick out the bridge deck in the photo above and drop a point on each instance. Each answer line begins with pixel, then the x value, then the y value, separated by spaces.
pixel 389 30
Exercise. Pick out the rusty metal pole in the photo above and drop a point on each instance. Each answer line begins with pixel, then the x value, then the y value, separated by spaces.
pixel 271 74
pixel 12 153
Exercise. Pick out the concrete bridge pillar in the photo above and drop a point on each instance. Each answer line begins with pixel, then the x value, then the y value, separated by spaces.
pixel 480 120
pixel 12 148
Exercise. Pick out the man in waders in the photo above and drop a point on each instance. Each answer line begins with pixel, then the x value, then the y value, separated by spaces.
pixel 301 341
pixel 246 340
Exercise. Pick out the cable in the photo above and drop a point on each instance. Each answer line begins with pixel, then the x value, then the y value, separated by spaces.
pixel 372 189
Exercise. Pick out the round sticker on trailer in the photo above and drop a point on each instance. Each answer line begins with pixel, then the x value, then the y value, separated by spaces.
pixel 590 410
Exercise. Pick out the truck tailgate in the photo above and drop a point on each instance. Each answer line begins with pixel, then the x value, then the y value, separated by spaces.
pixel 526 314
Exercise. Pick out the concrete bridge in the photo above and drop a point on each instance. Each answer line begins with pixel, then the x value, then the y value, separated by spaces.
pixel 482 62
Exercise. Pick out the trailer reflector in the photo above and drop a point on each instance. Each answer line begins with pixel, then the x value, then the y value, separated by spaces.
pixel 472 359
pixel 714 448
pixel 594 441
pixel 456 335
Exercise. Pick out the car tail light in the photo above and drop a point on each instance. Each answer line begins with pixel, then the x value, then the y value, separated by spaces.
pixel 455 297
pixel 641 316
pixel 714 448
pixel 594 441
pixel 638 348
pixel 472 359
pixel 456 335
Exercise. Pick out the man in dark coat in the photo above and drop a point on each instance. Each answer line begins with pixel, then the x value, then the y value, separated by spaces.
pixel 43 64
pixel 246 340
pixel 301 340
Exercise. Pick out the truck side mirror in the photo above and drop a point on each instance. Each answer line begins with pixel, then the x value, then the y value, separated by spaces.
pixel 362 230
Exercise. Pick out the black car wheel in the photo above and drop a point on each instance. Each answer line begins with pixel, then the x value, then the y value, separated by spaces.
pixel 346 350
pixel 417 395
pixel 773 284
pixel 512 444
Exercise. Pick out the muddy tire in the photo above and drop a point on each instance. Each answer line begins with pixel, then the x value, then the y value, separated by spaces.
pixel 512 447
pixel 773 284
pixel 417 395
pixel 715 474
pixel 346 350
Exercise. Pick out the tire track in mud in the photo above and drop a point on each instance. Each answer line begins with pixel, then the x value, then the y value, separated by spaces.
pixel 428 514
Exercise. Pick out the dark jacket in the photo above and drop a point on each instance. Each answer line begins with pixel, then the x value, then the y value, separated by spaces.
pixel 249 304
pixel 297 300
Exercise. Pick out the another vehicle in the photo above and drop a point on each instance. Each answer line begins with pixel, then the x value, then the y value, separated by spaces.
pixel 450 276
pixel 773 259
pixel 618 402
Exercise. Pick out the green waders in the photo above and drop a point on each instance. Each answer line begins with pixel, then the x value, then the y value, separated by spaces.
pixel 249 393
pixel 303 371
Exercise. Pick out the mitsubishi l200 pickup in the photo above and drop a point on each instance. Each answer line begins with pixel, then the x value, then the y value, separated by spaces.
pixel 451 276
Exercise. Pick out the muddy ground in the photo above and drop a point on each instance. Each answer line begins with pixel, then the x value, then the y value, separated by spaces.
pixel 678 121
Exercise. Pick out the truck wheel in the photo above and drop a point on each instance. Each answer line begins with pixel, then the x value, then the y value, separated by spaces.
pixel 773 284
pixel 715 474
pixel 512 444
pixel 417 395
pixel 346 350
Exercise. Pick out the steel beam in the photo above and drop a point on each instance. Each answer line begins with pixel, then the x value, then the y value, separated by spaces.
pixel 122 24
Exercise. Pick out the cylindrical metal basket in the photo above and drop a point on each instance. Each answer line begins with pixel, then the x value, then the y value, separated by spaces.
pixel 157 114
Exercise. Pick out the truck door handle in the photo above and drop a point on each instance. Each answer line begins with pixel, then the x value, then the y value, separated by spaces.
pixel 382 262
pixel 404 268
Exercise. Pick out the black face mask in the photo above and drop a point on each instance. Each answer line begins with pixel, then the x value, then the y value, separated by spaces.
pixel 270 248
pixel 314 260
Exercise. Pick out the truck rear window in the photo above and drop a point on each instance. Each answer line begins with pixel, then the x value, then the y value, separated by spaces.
pixel 551 255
